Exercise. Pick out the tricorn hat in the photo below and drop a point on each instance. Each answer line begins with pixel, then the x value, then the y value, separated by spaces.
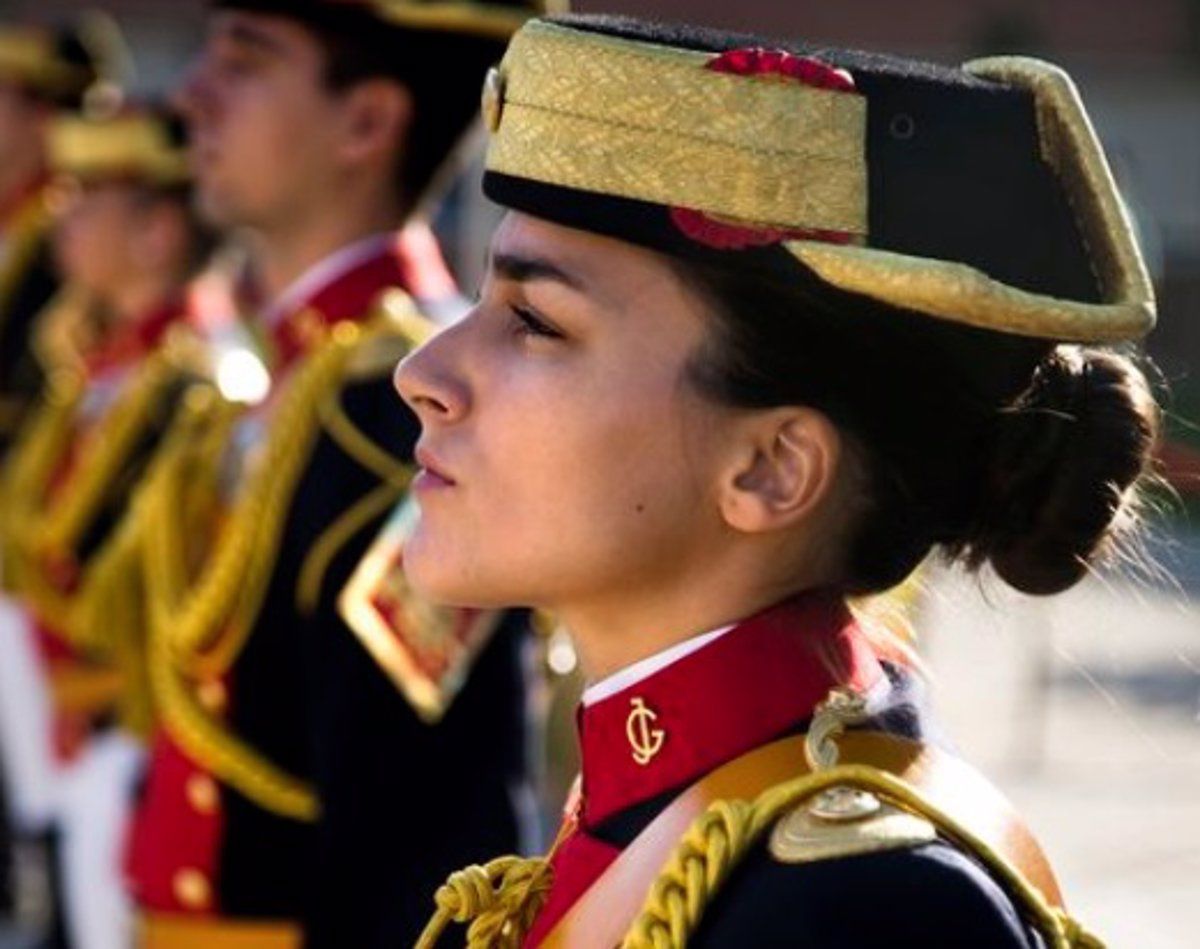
pixel 978 195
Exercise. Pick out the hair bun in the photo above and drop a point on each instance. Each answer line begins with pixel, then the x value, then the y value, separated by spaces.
pixel 1067 458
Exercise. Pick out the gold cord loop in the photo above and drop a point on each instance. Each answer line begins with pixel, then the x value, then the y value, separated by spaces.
pixel 500 901
pixel 719 840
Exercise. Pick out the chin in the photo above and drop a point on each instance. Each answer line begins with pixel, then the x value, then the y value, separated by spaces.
pixel 447 582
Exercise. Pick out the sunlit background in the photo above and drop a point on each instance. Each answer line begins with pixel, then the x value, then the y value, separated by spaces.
pixel 1085 708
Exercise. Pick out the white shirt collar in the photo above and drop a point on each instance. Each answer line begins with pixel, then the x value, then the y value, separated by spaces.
pixel 324 272
pixel 644 668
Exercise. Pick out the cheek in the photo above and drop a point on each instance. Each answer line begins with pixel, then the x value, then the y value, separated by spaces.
pixel 577 488
pixel 88 246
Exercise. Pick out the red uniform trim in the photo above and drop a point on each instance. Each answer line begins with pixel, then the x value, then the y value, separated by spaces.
pixel 745 689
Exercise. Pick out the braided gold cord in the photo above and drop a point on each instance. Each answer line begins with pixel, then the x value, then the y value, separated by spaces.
pixel 200 615
pixel 21 238
pixel 30 468
pixel 721 837
pixel 208 621
pixel 47 525
pixel 500 901
pixel 107 618
pixel 109 444
pixel 209 741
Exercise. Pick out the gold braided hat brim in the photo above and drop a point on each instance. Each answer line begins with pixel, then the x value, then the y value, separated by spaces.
pixel 629 119
pixel 136 146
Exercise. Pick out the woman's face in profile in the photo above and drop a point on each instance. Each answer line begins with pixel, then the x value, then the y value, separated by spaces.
pixel 567 456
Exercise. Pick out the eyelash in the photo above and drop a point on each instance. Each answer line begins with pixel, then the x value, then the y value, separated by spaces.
pixel 529 323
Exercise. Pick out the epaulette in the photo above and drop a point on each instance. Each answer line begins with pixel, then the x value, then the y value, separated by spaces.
pixel 845 821
pixel 830 793
pixel 865 793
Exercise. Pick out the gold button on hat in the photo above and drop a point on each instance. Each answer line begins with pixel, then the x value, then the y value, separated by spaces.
pixel 191 888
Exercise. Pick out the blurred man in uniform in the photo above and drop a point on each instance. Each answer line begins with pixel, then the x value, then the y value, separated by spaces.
pixel 292 790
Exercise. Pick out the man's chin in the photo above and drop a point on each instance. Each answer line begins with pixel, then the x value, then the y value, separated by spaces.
pixel 216 210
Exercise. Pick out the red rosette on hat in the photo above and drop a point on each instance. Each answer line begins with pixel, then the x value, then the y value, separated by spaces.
pixel 781 66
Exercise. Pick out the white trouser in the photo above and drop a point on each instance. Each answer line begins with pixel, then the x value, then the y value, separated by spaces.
pixel 95 805
pixel 26 724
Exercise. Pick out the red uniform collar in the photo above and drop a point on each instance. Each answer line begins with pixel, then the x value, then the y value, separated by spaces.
pixel 744 689
pixel 135 340
pixel 411 261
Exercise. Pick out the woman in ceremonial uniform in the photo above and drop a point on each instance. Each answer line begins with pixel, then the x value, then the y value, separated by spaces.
pixel 767 325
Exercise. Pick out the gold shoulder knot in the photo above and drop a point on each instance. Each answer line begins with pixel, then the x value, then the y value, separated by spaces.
pixel 844 821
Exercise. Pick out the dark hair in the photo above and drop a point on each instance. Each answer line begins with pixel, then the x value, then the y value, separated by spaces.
pixel 442 70
pixel 998 449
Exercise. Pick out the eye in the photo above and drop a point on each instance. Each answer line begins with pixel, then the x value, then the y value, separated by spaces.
pixel 529 323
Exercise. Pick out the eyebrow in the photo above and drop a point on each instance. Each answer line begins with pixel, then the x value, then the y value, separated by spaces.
pixel 244 34
pixel 524 269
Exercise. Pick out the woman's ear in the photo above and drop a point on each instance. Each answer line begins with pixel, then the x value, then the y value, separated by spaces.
pixel 377 117
pixel 783 468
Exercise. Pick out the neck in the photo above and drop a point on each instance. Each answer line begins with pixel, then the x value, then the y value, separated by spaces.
pixel 288 248
pixel 634 623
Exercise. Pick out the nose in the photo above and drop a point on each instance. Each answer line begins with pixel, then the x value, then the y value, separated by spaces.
pixel 427 381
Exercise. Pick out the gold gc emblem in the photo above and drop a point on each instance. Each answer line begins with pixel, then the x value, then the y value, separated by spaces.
pixel 644 740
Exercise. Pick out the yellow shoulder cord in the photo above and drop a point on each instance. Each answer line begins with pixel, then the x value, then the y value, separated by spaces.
pixel 394 476
pixel 197 437
pixel 47 530
pixel 108 447
pixel 198 629
pixel 107 618
pixel 500 902
pixel 720 838
pixel 22 242
pixel 211 742
pixel 208 621
pixel 31 466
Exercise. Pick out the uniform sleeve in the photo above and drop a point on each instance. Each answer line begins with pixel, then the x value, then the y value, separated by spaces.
pixel 931 895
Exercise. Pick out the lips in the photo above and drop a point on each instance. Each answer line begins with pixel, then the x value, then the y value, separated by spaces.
pixel 432 474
